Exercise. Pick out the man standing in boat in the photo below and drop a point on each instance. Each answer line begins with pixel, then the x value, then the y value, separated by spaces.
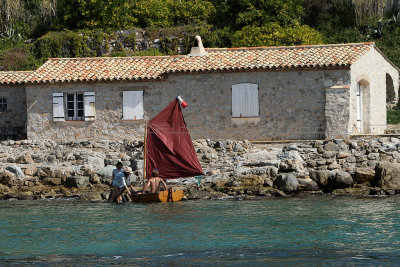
pixel 155 183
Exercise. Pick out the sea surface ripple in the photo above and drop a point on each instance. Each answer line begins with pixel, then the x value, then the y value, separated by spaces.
pixel 281 231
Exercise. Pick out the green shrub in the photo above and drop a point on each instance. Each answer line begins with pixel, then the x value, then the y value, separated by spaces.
pixel 275 35
pixel 149 52
pixel 118 51
pixel 131 39
pixel 18 57
pixel 393 116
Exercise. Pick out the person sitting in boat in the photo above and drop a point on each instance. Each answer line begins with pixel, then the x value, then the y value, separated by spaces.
pixel 155 183
pixel 120 185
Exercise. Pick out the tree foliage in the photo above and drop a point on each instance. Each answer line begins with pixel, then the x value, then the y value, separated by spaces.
pixel 329 14
pixel 169 13
pixel 274 34
pixel 33 30
pixel 240 13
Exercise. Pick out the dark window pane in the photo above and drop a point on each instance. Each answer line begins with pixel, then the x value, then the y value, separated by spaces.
pixel 80 113
pixel 80 97
pixel 70 105
pixel 70 113
pixel 3 103
pixel 70 97
pixel 80 105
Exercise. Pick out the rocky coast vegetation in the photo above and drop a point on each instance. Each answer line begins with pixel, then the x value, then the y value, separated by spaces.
pixel 233 169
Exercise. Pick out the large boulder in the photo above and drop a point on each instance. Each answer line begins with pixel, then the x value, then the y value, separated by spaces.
pixel 106 172
pixel 96 163
pixel 77 181
pixel 30 171
pixel 137 164
pixel 352 191
pixel 51 181
pixel 287 182
pixel 342 180
pixel 44 172
pixel 249 180
pixel 292 154
pixel 321 177
pixel 16 171
pixel 331 146
pixel 269 171
pixel 387 175
pixel 307 185
pixel 94 179
pixel 6 177
pixel 263 158
pixel 195 193
pixel 364 175
pixel 24 160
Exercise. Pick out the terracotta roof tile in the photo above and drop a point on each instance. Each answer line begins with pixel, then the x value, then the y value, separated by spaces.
pixel 15 77
pixel 217 59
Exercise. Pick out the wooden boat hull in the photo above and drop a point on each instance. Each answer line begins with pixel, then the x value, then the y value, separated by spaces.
pixel 172 195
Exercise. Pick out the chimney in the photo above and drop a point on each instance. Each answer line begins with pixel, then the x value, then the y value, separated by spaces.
pixel 198 48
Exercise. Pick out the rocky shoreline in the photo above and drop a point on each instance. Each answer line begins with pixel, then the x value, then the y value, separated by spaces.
pixel 240 170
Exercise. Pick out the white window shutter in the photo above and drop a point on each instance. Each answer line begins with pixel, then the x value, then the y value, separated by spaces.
pixel 132 108
pixel 90 109
pixel 237 100
pixel 58 107
pixel 245 100
pixel 252 97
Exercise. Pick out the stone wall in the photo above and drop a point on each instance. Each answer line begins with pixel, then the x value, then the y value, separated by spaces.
pixel 370 71
pixel 292 106
pixel 337 111
pixel 13 120
pixel 49 169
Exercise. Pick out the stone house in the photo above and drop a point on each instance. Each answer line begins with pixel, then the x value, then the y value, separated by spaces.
pixel 261 93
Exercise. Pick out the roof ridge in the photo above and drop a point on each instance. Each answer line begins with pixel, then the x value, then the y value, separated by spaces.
pixel 108 58
pixel 289 47
pixel 16 71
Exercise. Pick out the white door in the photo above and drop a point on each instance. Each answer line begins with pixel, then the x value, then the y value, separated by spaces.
pixel 359 108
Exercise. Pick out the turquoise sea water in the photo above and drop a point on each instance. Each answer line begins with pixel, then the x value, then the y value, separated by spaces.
pixel 282 231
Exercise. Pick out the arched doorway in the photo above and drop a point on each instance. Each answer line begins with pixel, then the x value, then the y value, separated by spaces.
pixel 390 92
pixel 362 107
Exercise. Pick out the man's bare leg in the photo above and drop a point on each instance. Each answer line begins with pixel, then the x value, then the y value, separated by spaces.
pixel 121 191
pixel 114 194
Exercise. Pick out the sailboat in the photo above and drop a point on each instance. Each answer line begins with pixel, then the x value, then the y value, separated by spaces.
pixel 168 147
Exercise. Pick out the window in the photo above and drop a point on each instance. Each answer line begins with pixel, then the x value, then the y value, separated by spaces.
pixel 74 106
pixel 3 103
pixel 245 100
pixel 132 108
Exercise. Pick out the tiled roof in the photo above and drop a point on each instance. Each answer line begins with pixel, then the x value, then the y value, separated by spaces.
pixel 92 69
pixel 217 59
pixel 15 77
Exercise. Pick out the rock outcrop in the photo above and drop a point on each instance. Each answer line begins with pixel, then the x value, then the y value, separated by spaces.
pixel 240 169
pixel 387 175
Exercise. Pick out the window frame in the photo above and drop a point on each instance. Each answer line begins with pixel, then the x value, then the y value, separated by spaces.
pixel 3 101
pixel 248 86
pixel 126 109
pixel 75 109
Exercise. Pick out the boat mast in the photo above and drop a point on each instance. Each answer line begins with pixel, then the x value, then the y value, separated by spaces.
pixel 144 153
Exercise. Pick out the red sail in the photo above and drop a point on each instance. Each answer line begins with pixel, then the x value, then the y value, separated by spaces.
pixel 169 146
